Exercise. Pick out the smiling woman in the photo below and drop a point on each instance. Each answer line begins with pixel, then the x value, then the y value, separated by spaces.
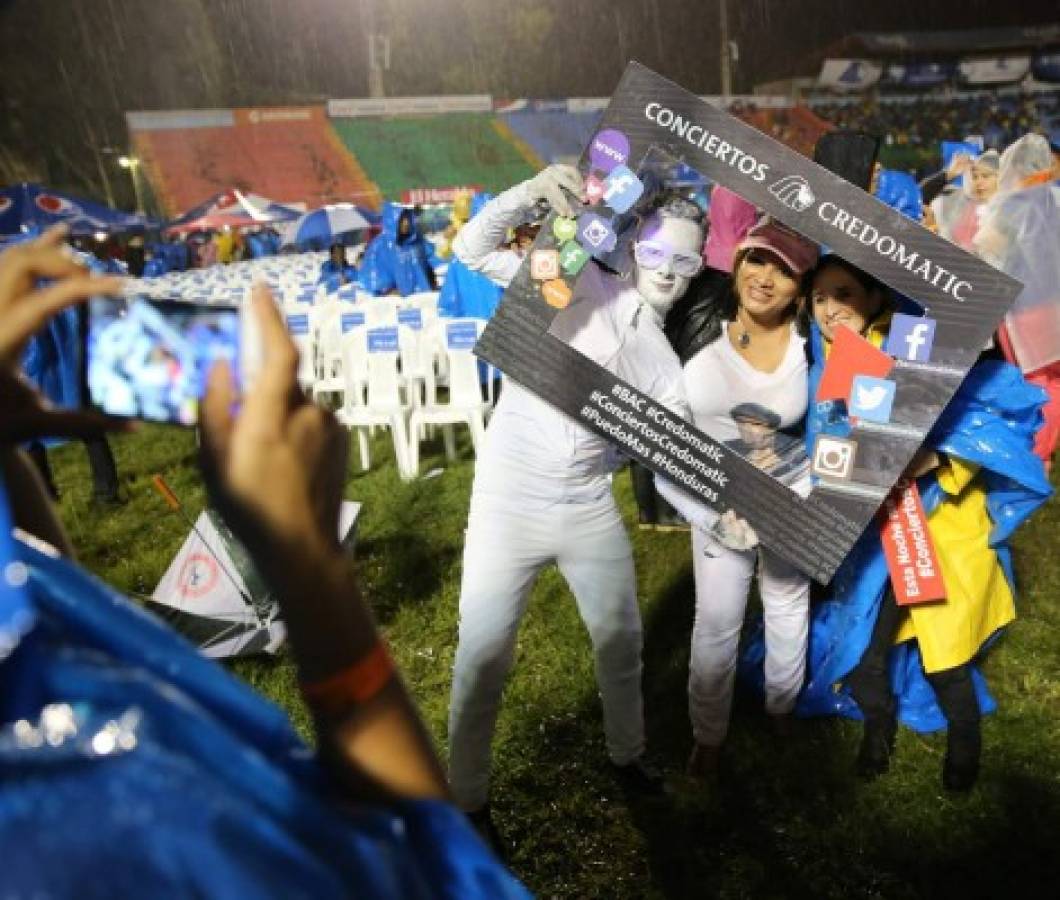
pixel 747 388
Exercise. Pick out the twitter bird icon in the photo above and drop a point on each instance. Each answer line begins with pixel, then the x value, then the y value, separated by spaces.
pixel 871 398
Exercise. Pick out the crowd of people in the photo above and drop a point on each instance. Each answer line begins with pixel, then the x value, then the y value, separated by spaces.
pixel 727 318
pixel 922 124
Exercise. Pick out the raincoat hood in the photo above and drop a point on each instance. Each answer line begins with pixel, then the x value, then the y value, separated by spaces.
pixel 392 216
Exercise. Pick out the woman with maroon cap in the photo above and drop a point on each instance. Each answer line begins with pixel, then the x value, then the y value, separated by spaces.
pixel 754 357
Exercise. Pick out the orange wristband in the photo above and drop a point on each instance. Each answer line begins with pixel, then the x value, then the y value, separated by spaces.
pixel 354 685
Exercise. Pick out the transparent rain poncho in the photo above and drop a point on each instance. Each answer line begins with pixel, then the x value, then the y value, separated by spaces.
pixel 1020 234
pixel 958 212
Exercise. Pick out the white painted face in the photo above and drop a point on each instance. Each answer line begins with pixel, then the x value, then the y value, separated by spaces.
pixel 661 287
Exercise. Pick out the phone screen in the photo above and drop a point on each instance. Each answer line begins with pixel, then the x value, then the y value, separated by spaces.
pixel 149 359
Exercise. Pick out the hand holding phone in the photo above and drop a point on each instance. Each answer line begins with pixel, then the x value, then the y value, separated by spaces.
pixel 149 359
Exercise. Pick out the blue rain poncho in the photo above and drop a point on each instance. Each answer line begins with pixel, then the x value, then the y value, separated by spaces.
pixel 394 262
pixel 900 191
pixel 133 766
pixel 989 423
pixel 468 294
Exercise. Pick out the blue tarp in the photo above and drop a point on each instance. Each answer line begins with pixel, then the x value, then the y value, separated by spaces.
pixel 135 766
pixel 30 208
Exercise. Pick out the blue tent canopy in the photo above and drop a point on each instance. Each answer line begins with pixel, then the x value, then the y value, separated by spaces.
pixel 29 208
pixel 233 209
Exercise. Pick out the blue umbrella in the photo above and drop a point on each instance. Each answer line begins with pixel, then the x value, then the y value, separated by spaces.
pixel 322 226
pixel 30 208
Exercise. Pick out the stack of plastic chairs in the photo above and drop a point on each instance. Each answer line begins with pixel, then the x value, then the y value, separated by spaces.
pixel 465 402
pixel 384 404
pixel 299 329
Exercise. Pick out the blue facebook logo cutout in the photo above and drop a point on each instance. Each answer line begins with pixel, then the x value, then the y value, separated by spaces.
pixel 871 398
pixel 622 189
pixel 911 338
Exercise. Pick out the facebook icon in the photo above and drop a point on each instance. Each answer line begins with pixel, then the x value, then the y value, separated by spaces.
pixel 622 189
pixel 911 337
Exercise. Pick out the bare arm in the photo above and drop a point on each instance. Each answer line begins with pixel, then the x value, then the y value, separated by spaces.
pixel 276 472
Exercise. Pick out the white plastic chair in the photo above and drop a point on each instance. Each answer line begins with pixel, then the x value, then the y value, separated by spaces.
pixel 466 404
pixel 298 328
pixel 384 405
pixel 381 312
pixel 333 353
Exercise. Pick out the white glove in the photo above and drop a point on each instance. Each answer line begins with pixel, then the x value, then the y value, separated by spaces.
pixel 733 532
pixel 549 185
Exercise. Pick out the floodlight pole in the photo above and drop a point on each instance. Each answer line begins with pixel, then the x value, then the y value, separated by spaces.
pixel 378 52
pixel 726 49
pixel 132 164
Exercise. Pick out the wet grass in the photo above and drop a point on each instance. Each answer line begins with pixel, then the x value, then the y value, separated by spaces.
pixel 787 819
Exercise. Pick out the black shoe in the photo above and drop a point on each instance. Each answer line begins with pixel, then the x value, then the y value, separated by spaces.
pixel 482 821
pixel 640 777
pixel 960 769
pixel 877 745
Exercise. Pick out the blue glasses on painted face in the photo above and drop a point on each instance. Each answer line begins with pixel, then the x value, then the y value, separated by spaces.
pixel 655 254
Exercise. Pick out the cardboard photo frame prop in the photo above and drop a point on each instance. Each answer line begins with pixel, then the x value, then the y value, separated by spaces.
pixel 962 299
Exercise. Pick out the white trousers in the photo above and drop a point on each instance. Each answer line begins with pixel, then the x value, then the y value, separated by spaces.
pixel 507 545
pixel 722 585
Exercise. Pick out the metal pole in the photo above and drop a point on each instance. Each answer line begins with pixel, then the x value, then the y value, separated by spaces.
pixel 375 50
pixel 726 50
pixel 134 170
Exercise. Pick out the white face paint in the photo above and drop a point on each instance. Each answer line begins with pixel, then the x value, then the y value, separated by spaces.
pixel 661 288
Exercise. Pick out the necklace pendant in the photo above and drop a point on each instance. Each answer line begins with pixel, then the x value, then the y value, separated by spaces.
pixel 744 340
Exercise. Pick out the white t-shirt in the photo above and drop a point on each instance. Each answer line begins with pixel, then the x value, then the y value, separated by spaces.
pixel 757 414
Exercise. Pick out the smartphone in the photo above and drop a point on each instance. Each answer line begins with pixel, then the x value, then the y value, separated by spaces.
pixel 149 359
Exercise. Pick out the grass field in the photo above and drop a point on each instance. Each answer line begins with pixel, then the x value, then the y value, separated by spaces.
pixel 788 818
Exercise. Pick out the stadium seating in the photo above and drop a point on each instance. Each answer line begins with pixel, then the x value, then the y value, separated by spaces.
pixel 554 136
pixel 286 159
pixel 436 151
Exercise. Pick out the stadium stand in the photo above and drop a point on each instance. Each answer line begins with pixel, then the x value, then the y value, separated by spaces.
pixel 913 126
pixel 287 154
pixel 798 126
pixel 436 151
pixel 554 135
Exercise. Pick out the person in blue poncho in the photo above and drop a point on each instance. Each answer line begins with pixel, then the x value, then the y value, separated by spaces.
pixel 336 270
pixel 400 259
pixel 148 770
pixel 465 293
pixel 979 481
pixel 51 361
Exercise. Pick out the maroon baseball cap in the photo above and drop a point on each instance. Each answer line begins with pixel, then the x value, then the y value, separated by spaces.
pixel 799 253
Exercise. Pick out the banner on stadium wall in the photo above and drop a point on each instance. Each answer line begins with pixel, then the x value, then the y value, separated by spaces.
pixel 997 70
pixel 269 115
pixel 849 74
pixel 409 106
pixel 179 119
pixel 1046 66
pixel 919 75
pixel 425 196
pixel 651 128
